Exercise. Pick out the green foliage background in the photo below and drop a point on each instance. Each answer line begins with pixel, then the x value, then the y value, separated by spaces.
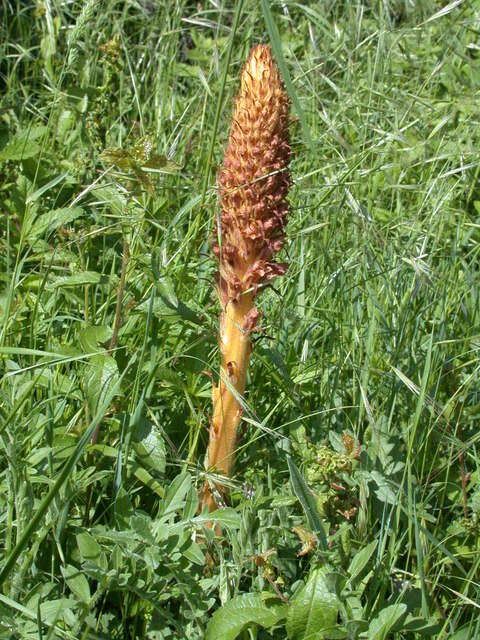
pixel 355 508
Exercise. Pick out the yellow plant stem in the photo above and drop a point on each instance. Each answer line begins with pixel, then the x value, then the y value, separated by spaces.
pixel 227 412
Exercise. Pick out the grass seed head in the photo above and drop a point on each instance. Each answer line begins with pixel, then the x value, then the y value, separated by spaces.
pixel 254 180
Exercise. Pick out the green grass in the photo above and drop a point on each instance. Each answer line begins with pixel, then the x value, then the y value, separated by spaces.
pixel 362 405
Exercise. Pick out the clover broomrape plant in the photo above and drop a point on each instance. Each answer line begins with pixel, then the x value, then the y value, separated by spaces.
pixel 254 183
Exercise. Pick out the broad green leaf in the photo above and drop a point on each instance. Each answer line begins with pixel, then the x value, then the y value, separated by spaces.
pixel 90 550
pixel 167 312
pixel 23 145
pixel 307 500
pixel 229 621
pixel 77 582
pixel 91 337
pixel 465 633
pixel 88 546
pixel 123 507
pixel 381 626
pixel 145 478
pixel 313 613
pixel 54 610
pixel 360 561
pixel 175 495
pixel 281 501
pixel 61 383
pixel 141 524
pixel 102 375
pixel 166 291
pixel 385 492
pixel 167 305
pixel 226 517
pixel 160 164
pixel 355 627
pixel 421 627
pixel 191 504
pixel 112 198
pixel 159 309
pixel 149 445
pixel 194 553
pixel 79 279
pixel 139 472
pixel 50 221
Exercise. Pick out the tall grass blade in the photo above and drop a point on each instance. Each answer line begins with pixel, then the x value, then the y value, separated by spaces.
pixel 59 482
pixel 280 60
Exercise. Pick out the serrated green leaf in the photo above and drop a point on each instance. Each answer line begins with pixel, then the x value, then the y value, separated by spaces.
pixel 121 158
pixel 314 611
pixel 229 621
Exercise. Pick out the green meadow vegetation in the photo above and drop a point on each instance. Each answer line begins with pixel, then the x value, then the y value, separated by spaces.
pixel 354 509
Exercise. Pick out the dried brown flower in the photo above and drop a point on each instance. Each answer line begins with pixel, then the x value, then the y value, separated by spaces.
pixel 254 182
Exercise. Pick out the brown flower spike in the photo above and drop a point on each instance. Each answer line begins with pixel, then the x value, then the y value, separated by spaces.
pixel 254 182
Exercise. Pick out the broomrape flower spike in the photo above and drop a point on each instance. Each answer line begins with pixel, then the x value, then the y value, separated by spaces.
pixel 254 182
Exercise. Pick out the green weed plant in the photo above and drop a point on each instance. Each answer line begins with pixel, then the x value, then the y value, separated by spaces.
pixel 354 511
